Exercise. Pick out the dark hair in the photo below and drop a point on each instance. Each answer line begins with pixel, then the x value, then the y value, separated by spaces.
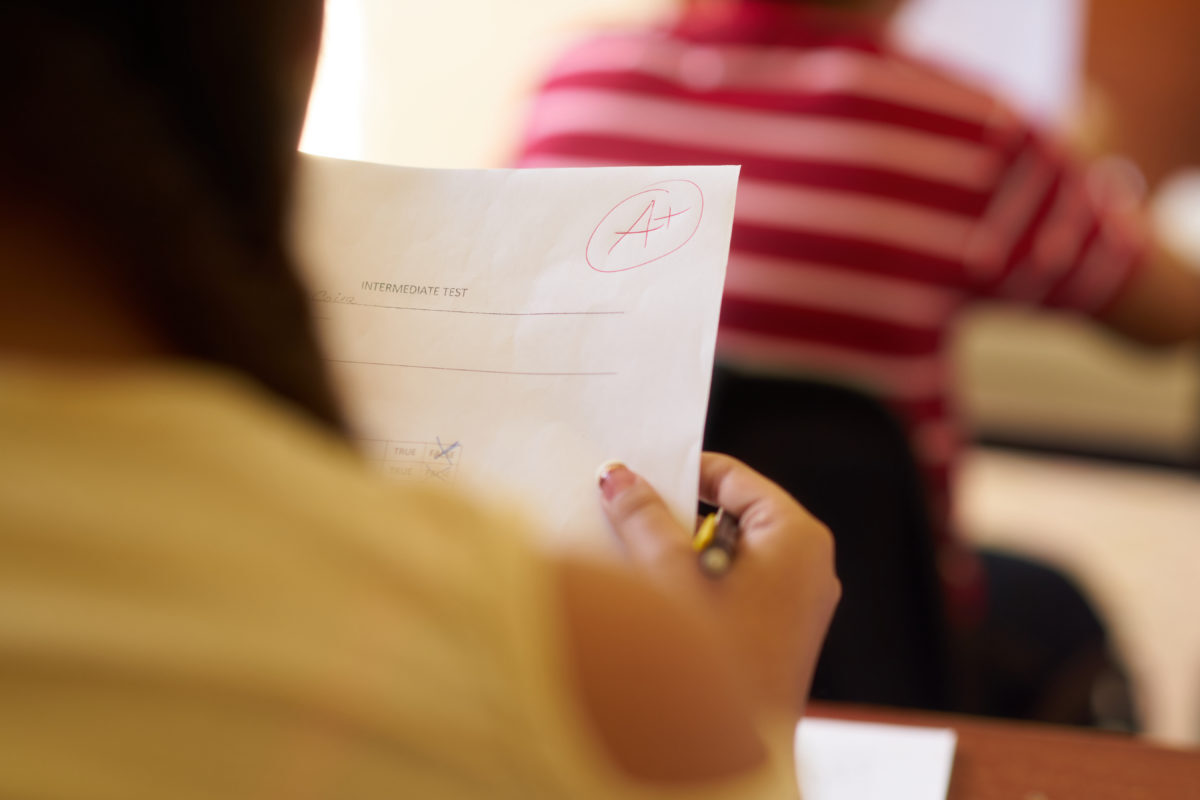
pixel 168 129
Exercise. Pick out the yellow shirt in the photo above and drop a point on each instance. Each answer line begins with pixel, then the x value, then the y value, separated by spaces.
pixel 202 596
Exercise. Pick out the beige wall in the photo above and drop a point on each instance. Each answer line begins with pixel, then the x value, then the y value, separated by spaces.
pixel 443 83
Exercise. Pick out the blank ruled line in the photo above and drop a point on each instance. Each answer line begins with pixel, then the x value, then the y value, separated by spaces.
pixel 482 371
pixel 479 313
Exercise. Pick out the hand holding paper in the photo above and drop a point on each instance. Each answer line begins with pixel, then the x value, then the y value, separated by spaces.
pixel 510 330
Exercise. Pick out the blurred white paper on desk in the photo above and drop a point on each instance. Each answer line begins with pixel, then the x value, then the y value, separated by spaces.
pixel 841 760
pixel 510 330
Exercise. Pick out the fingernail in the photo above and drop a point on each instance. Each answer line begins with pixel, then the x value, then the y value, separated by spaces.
pixel 614 478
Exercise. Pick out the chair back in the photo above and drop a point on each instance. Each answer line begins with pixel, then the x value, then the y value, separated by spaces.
pixel 843 455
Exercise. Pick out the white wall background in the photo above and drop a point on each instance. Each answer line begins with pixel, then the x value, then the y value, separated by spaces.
pixel 443 83
pixel 1030 51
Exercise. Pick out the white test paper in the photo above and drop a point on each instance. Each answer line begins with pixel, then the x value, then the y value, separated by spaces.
pixel 510 330
pixel 839 760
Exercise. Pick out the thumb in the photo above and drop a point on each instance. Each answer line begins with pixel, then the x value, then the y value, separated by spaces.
pixel 643 523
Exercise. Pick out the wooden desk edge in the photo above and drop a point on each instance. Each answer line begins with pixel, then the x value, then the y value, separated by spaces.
pixel 1019 760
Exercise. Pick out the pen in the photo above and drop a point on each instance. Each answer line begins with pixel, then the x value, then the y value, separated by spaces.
pixel 715 541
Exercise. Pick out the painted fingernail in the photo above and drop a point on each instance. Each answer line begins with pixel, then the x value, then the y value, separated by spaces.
pixel 614 477
pixel 605 468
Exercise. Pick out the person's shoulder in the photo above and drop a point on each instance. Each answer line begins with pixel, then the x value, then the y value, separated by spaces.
pixel 216 444
pixel 256 441
pixel 230 548
pixel 615 48
pixel 949 91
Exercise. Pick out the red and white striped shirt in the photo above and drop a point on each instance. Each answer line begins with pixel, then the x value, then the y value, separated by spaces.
pixel 878 196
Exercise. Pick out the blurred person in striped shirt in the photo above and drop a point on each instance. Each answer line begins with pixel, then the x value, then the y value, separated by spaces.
pixel 879 198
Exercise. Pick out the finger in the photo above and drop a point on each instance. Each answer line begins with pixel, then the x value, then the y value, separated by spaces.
pixel 730 484
pixel 642 520
pixel 760 505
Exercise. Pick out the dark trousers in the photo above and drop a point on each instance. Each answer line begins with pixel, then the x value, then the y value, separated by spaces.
pixel 1040 653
